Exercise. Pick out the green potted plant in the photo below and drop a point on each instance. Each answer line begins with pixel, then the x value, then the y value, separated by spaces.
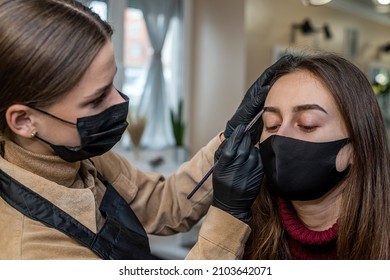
pixel 178 129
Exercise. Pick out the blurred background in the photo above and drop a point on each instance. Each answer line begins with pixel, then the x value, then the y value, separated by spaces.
pixel 208 52
pixel 186 64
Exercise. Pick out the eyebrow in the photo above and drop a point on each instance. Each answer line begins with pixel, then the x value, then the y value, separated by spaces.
pixel 299 108
pixel 99 91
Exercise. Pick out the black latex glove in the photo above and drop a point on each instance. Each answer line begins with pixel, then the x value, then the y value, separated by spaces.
pixel 254 100
pixel 237 176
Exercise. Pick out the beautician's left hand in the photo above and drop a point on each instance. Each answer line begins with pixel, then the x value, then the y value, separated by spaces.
pixel 253 101
pixel 238 174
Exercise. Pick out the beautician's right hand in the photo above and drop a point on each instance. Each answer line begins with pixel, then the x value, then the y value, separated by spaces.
pixel 237 176
pixel 253 101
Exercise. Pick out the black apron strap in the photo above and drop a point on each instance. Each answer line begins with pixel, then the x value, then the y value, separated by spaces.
pixel 38 208
pixel 114 241
pixel 122 231
pixel 114 206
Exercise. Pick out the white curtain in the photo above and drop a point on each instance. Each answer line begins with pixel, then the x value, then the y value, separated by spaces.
pixel 154 103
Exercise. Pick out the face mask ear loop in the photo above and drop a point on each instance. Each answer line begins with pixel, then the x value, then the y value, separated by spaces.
pixel 54 117
pixel 35 134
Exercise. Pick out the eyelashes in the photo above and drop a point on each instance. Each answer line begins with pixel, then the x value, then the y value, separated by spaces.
pixel 303 127
pixel 95 103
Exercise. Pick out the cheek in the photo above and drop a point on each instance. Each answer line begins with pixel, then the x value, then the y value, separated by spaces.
pixel 58 133
pixel 67 136
pixel 73 137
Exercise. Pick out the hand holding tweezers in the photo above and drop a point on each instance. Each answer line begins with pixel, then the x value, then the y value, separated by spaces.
pixel 253 121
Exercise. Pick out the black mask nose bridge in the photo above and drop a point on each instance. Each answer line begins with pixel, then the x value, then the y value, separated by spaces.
pixel 121 237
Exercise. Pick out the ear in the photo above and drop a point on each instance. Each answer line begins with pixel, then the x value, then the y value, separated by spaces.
pixel 344 157
pixel 19 120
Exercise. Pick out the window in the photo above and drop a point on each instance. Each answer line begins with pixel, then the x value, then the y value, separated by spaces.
pixel 134 60
pixel 99 7
pixel 137 59
pixel 136 55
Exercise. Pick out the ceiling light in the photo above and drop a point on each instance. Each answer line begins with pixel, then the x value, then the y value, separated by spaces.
pixel 383 2
pixel 315 2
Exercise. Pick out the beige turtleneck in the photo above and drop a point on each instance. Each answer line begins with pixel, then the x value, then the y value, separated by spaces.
pixel 75 175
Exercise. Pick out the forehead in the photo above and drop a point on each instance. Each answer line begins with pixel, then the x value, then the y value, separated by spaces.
pixel 298 88
pixel 101 67
pixel 98 75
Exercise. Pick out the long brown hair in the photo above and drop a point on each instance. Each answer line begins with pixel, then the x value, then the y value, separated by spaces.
pixel 45 48
pixel 364 223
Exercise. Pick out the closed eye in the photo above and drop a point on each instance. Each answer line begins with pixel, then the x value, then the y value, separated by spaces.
pixel 96 102
pixel 308 128
pixel 272 128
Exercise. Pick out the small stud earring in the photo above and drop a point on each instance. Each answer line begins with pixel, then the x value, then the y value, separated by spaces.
pixel 33 134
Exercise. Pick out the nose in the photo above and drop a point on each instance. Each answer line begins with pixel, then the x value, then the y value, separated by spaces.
pixel 118 97
pixel 283 130
pixel 123 96
pixel 288 128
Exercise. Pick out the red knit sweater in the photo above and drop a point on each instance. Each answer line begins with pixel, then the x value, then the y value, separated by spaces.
pixel 304 243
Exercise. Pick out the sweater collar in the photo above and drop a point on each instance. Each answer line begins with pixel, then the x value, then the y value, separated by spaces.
pixel 306 244
pixel 52 168
pixel 298 231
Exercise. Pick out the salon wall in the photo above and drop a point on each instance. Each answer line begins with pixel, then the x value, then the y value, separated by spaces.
pixel 232 42
pixel 268 24
pixel 218 66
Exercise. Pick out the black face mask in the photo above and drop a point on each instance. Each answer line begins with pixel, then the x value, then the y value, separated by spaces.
pixel 98 133
pixel 301 170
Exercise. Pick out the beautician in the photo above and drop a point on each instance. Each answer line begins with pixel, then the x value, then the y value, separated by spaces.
pixel 63 193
